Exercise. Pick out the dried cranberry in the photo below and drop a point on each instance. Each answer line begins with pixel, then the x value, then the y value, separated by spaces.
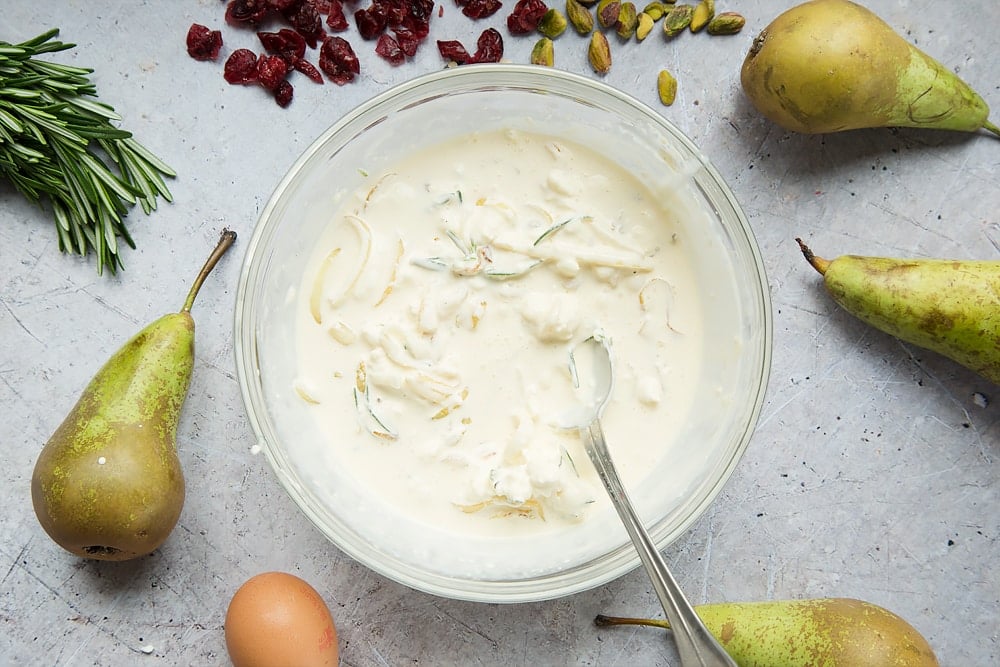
pixel 489 47
pixel 288 44
pixel 525 16
pixel 249 12
pixel 338 60
pixel 388 48
pixel 421 9
pixel 395 11
pixel 453 50
pixel 308 69
pixel 399 26
pixel 271 70
pixel 420 30
pixel 306 20
pixel 296 42
pixel 335 18
pixel 202 43
pixel 370 21
pixel 283 93
pixel 241 67
pixel 273 42
pixel 479 9
pixel 407 40
pixel 418 12
pixel 418 26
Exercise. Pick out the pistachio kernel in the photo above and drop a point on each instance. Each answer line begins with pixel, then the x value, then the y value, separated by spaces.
pixel 645 25
pixel 655 10
pixel 579 16
pixel 599 52
pixel 677 19
pixel 543 53
pixel 553 23
pixel 703 13
pixel 666 86
pixel 607 12
pixel 726 23
pixel 628 19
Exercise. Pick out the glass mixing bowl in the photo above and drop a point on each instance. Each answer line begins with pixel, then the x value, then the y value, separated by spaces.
pixel 422 113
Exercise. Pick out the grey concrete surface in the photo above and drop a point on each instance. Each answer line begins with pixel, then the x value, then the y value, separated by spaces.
pixel 873 472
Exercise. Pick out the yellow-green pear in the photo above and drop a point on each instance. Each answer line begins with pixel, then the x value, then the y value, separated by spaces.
pixel 825 632
pixel 108 484
pixel 831 65
pixel 949 306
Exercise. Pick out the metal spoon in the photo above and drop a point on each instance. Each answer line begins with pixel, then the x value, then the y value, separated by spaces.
pixel 695 644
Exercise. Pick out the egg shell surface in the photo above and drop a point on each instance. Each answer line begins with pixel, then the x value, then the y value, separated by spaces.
pixel 276 619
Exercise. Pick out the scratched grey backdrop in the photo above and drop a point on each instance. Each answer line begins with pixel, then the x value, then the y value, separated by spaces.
pixel 873 472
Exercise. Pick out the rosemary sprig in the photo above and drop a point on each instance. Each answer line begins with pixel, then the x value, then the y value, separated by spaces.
pixel 555 228
pixel 372 422
pixel 476 260
pixel 58 147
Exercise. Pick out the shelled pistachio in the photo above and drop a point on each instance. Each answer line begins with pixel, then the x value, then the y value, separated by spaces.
pixel 607 12
pixel 599 52
pixel 543 53
pixel 644 25
pixel 677 19
pixel 655 10
pixel 628 19
pixel 702 14
pixel 726 23
pixel 666 87
pixel 579 16
pixel 553 23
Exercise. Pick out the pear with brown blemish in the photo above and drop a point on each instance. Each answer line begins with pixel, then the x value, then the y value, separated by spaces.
pixel 833 65
pixel 949 306
pixel 108 484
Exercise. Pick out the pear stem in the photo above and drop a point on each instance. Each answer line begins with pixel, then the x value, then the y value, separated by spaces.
pixel 818 263
pixel 225 242
pixel 992 128
pixel 604 621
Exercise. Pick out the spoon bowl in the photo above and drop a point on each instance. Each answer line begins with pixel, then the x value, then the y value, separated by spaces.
pixel 695 644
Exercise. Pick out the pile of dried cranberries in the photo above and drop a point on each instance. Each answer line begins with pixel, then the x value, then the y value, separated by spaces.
pixel 398 27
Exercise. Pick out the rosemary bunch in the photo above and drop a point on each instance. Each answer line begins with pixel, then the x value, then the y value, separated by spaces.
pixel 58 147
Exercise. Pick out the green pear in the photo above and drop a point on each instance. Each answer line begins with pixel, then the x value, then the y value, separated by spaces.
pixel 830 65
pixel 826 632
pixel 949 306
pixel 108 484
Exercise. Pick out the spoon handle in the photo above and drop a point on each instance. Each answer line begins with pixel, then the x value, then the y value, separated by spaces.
pixel 695 644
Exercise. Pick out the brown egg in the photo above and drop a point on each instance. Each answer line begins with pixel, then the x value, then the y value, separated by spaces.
pixel 278 620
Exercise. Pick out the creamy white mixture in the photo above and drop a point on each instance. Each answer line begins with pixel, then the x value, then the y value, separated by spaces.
pixel 435 322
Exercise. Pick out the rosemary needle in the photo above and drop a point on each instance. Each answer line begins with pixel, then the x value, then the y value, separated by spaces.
pixel 58 147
